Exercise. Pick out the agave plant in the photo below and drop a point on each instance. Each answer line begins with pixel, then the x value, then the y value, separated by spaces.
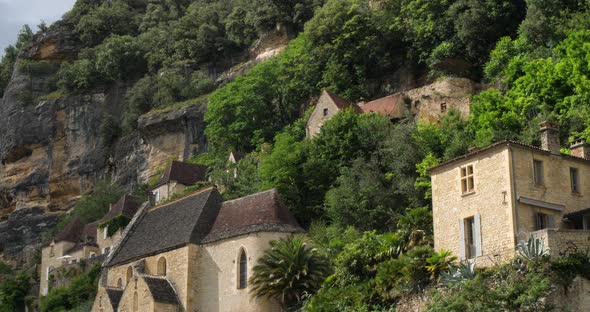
pixel 465 271
pixel 532 250
pixel 290 271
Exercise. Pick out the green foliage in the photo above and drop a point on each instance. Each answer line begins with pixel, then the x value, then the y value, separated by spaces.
pixel 83 288
pixel 12 293
pixel 501 288
pixel 95 205
pixel 114 224
pixel 6 67
pixel 37 68
pixel 108 18
pixel 289 271
pixel 532 250
pixel 24 37
pixel 570 265
pixel 457 274
pixel 119 57
pixel 109 130
pixel 438 262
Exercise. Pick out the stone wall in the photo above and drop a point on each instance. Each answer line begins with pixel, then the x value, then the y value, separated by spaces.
pixel 317 118
pixel 454 93
pixel 217 279
pixel 491 200
pixel 560 242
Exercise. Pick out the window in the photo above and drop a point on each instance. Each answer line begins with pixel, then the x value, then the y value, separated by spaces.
pixel 51 251
pixel 470 237
pixel 325 112
pixel 574 180
pixel 119 283
pixel 542 221
pixel 157 196
pixel 538 172
pixel 242 270
pixel 162 266
pixel 443 107
pixel 467 179
pixel 106 250
pixel 129 274
pixel 105 232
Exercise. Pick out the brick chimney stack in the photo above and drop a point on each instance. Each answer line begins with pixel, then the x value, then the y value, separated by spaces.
pixel 550 137
pixel 580 149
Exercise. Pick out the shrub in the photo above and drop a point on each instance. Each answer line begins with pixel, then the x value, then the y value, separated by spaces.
pixel 83 288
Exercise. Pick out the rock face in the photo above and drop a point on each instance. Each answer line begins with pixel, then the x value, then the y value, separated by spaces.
pixel 52 149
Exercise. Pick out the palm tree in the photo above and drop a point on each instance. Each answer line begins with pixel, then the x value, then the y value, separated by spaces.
pixel 290 270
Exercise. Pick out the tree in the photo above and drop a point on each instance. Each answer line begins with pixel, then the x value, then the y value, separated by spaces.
pixel 290 271
pixel 24 37
pixel 6 67
pixel 12 293
pixel 119 57
pixel 109 18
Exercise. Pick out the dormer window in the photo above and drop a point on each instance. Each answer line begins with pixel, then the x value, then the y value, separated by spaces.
pixel 325 112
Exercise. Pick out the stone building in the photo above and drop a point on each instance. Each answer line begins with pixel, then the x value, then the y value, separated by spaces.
pixel 328 105
pixel 393 106
pixel 486 202
pixel 122 211
pixel 177 177
pixel 75 242
pixel 194 254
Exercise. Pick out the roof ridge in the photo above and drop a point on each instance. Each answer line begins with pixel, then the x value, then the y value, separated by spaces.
pixel 168 203
pixel 251 195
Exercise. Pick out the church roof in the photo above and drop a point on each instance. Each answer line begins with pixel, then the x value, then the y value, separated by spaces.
pixel 262 211
pixel 127 205
pixel 170 226
pixel 161 289
pixel 114 297
pixel 181 172
pixel 201 218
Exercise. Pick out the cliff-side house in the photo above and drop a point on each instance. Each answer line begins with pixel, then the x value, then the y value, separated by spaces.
pixel 176 178
pixel 78 242
pixel 194 253
pixel 486 202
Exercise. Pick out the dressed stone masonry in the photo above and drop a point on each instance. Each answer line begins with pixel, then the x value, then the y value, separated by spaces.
pixel 486 202
pixel 194 254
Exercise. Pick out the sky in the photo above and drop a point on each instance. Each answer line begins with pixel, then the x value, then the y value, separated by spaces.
pixel 15 13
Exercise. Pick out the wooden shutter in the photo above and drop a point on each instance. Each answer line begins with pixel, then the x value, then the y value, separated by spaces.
pixel 477 236
pixel 551 221
pixel 462 239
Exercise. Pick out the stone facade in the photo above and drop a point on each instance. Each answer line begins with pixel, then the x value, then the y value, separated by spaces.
pixel 507 203
pixel 326 107
pixel 561 242
pixel 105 242
pixel 163 192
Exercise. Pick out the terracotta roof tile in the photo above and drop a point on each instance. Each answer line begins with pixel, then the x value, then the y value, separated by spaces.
pixel 184 173
pixel 127 205
pixel 392 106
pixel 71 232
pixel 262 211
pixel 342 103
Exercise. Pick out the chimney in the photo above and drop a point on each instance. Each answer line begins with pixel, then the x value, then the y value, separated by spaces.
pixel 550 137
pixel 580 149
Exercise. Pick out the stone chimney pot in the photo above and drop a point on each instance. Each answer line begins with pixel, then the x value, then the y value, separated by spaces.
pixel 580 149
pixel 550 137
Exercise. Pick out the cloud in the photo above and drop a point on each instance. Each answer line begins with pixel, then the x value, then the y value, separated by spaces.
pixel 15 13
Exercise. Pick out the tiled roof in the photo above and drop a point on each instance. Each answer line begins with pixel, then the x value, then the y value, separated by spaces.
pixel 90 230
pixel 200 218
pixel 506 143
pixel 114 295
pixel 170 226
pixel 184 173
pixel 340 102
pixel 392 106
pixel 262 211
pixel 71 232
pixel 161 289
pixel 127 205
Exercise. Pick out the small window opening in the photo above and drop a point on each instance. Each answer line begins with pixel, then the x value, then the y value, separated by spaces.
pixel 243 273
pixel 467 182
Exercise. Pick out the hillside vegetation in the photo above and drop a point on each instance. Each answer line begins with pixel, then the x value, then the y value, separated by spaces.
pixel 361 187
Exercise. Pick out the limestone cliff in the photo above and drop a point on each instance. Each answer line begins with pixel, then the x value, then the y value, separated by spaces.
pixel 52 151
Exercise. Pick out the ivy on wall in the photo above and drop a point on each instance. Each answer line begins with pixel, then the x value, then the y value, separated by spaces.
pixel 114 224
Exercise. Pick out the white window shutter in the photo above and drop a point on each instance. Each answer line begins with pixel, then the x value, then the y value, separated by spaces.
pixel 477 238
pixel 462 239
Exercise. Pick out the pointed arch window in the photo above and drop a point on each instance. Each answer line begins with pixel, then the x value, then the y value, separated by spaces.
pixel 243 270
pixel 119 283
pixel 162 266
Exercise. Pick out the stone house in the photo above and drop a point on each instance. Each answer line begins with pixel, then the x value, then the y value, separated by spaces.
pixel 194 254
pixel 328 105
pixel 177 177
pixel 75 242
pixel 486 202
pixel 393 106
pixel 125 208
